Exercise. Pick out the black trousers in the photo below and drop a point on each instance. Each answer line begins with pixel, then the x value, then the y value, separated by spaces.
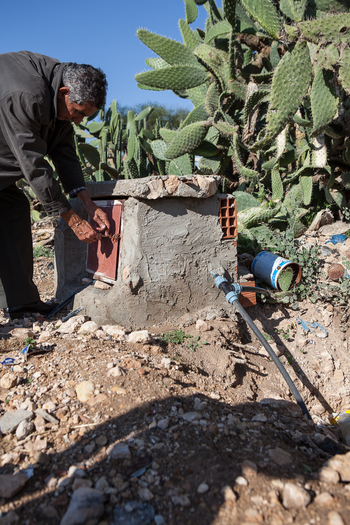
pixel 16 250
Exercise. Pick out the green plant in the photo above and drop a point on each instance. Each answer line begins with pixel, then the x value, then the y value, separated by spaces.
pixel 42 251
pixel 267 336
pixel 284 332
pixel 174 337
pixel 193 344
pixel 29 341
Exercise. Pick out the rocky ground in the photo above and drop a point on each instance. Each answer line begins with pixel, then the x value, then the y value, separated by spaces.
pixel 103 427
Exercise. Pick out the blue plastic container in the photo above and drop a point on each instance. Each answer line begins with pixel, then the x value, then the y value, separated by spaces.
pixel 267 267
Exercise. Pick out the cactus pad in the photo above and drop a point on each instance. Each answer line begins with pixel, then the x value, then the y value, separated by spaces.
pixel 190 38
pixel 216 61
pixel 229 10
pixel 290 84
pixel 276 183
pixel 196 115
pixel 294 9
pixel 264 12
pixel 344 71
pixel 324 101
pixel 187 140
pixel 174 53
pixel 191 11
pixel 319 153
pixel 221 29
pixel 306 184
pixel 332 28
pixel 246 173
pixel 175 77
pixel 211 101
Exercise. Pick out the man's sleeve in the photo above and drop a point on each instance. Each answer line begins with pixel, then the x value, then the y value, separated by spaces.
pixel 65 159
pixel 21 120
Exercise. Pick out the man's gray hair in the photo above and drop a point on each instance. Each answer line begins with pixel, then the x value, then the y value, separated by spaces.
pixel 86 84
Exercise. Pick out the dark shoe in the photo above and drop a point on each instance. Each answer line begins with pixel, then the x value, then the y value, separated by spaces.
pixel 39 307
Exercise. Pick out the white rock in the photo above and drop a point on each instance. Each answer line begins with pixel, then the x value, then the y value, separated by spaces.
pixel 191 416
pixel 241 481
pixel 88 327
pixel 295 497
pixel 181 501
pixel 163 423
pixel 72 325
pixel 166 362
pixel 228 493
pixel 8 381
pixel 203 488
pixel 49 406
pixel 100 285
pixel 198 405
pixel 260 418
pixel 101 484
pixel 329 475
pixel 28 404
pixel 115 331
pixel 334 518
pixel 114 372
pixel 24 429
pixel 145 494
pixel 119 451
pixel 324 499
pixel 142 336
pixel 85 390
pixel 44 337
pixel 202 326
pixel 76 472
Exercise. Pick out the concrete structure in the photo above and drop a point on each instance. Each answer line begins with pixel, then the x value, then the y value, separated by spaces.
pixel 171 238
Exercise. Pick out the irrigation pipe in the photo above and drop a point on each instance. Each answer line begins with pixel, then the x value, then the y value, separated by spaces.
pixel 232 292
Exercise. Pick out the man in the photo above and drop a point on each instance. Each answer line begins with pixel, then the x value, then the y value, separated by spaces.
pixel 39 99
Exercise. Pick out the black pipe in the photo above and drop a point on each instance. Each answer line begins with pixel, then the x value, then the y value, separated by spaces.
pixel 231 292
pixel 274 357
pixel 67 301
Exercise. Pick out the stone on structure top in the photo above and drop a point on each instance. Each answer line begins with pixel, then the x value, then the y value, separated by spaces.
pixel 157 187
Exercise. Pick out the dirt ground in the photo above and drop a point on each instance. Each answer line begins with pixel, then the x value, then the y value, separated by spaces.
pixel 202 432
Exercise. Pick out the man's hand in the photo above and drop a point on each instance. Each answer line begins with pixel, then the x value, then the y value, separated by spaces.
pixel 101 219
pixel 82 229
pixel 95 213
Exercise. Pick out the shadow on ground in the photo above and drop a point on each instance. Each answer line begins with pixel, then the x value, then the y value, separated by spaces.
pixel 172 463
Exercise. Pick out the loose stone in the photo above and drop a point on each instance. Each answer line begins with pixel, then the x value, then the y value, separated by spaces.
pixel 295 497
pixel 11 484
pixel 8 381
pixel 24 429
pixel 10 421
pixel 203 488
pixel 334 518
pixel 324 499
pixel 86 506
pixel 85 390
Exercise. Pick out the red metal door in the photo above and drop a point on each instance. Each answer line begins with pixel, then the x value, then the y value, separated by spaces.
pixel 103 255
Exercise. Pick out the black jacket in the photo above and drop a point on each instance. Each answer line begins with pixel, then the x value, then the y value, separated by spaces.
pixel 29 129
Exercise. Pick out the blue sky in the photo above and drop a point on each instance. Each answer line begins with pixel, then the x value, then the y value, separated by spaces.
pixel 100 33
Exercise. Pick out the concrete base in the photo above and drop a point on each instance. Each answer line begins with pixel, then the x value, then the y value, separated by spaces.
pixel 168 248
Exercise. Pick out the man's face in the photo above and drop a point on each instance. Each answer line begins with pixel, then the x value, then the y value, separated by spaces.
pixel 71 111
